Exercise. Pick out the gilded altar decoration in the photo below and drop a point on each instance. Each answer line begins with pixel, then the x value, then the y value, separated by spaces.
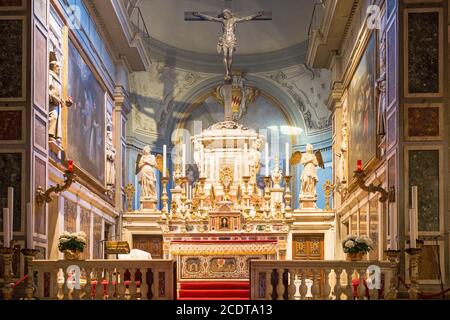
pixel 110 155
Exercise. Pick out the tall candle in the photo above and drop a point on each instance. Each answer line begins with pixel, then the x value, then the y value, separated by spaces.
pixel 11 210
pixel 246 168
pixel 287 159
pixel 202 161
pixel 6 228
pixel 267 159
pixel 164 161
pixel 236 169
pixel 183 170
pixel 30 227
pixel 413 217
pixel 211 167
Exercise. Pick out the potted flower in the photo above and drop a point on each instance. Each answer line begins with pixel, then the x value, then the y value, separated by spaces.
pixel 72 244
pixel 356 247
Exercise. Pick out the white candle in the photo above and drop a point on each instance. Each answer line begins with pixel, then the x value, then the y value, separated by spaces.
pixel 287 159
pixel 202 161
pixel 267 159
pixel 30 227
pixel 413 217
pixel 183 170
pixel 392 231
pixel 246 168
pixel 11 209
pixel 6 228
pixel 211 165
pixel 236 169
pixel 164 161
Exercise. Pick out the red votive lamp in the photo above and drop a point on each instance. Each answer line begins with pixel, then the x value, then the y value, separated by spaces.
pixel 70 166
pixel 359 165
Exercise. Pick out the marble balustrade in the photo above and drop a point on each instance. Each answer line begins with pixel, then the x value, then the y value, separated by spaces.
pixel 320 280
pixel 105 279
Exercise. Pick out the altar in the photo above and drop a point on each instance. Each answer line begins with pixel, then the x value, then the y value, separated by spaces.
pixel 219 259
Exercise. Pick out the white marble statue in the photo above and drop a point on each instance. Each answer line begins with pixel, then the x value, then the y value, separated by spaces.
pixel 145 166
pixel 110 160
pixel 310 162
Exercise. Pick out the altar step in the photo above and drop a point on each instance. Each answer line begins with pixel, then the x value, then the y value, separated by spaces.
pixel 214 290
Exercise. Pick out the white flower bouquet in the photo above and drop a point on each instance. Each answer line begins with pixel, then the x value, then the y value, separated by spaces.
pixel 357 244
pixel 75 242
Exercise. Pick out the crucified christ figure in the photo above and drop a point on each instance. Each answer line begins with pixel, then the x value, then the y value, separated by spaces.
pixel 227 42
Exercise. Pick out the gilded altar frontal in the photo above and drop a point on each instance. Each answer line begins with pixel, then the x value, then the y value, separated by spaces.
pixel 237 151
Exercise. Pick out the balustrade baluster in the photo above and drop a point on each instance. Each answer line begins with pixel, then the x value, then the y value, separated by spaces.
pixel 280 286
pixel 144 285
pixel 121 288
pixel 292 287
pixel 303 286
pixel 269 287
pixel 57 282
pixel 315 290
pixel 349 287
pixel 361 284
pixel 338 289
pixel 326 285
pixel 133 287
pixel 86 294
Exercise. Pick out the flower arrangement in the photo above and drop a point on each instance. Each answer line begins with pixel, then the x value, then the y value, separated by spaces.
pixel 74 242
pixel 355 244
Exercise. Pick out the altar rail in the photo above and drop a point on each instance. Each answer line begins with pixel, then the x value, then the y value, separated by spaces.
pixel 321 280
pixel 105 279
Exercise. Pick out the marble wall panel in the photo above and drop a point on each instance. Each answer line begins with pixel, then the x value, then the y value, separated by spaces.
pixel 41 69
pixel 10 124
pixel 40 169
pixel 11 176
pixel 70 216
pixel 423 122
pixel 424 173
pixel 11 74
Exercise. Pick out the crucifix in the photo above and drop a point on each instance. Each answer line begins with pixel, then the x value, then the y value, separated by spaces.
pixel 227 42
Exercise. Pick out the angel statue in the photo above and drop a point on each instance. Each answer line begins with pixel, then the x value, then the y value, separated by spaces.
pixel 145 166
pixel 310 162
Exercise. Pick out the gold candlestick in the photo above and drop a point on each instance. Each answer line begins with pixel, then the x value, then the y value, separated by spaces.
pixel 29 255
pixel 393 257
pixel 267 196
pixel 287 196
pixel 7 254
pixel 414 256
pixel 164 198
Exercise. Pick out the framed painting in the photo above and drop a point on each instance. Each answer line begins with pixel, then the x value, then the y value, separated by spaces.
pixel 362 109
pixel 86 117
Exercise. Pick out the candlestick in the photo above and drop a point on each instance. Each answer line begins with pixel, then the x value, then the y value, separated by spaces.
pixel 413 218
pixel 183 170
pixel 211 168
pixel 30 227
pixel 164 161
pixel 287 159
pixel 11 211
pixel 6 228
pixel 267 159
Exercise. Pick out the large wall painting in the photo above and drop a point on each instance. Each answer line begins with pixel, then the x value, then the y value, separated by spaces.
pixel 361 102
pixel 86 118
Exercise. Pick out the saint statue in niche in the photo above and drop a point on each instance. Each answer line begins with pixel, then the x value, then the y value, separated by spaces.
pixel 55 100
pixel 110 159
pixel 145 166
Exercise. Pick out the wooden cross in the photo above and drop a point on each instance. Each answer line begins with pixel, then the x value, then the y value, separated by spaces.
pixel 188 16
